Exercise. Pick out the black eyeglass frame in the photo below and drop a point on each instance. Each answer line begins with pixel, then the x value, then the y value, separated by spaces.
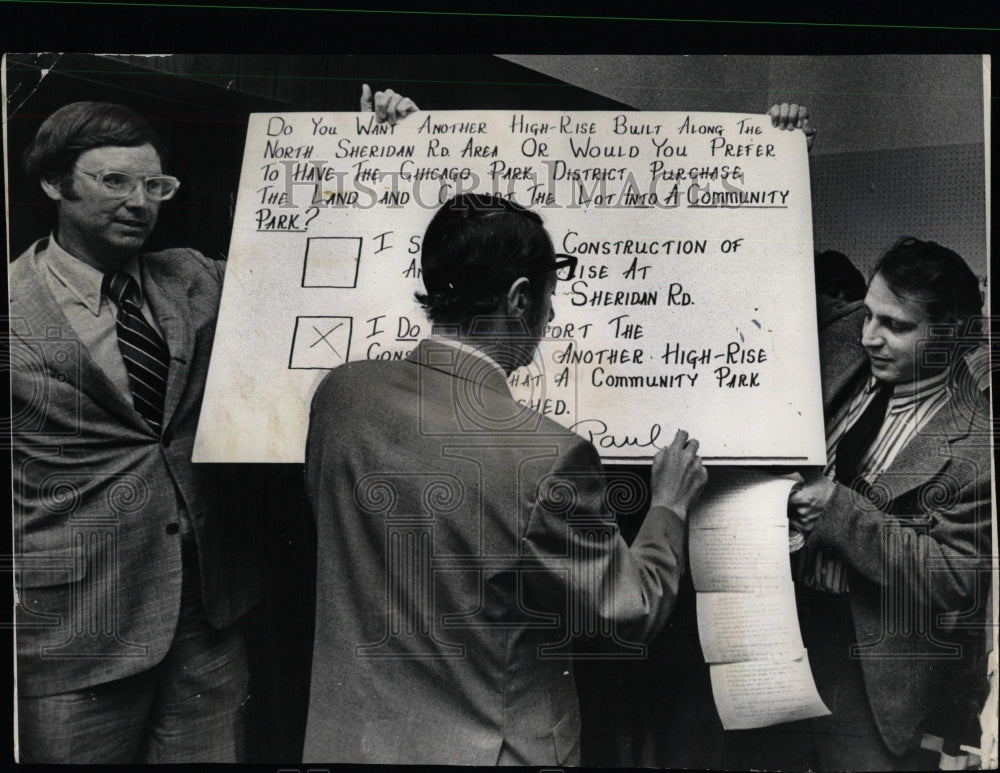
pixel 562 261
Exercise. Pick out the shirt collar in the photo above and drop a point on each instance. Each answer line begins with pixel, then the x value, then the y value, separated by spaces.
pixel 915 391
pixel 872 385
pixel 906 395
pixel 470 350
pixel 81 279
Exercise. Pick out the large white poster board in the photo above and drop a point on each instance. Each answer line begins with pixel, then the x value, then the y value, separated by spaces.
pixel 692 306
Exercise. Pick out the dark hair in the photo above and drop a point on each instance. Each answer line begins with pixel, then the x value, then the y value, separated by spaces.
pixel 80 126
pixel 935 276
pixel 474 248
pixel 837 277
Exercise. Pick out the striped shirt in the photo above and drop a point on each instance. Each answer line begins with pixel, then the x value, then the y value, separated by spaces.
pixel 910 408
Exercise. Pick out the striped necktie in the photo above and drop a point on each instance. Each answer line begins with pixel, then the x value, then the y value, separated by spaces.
pixel 145 353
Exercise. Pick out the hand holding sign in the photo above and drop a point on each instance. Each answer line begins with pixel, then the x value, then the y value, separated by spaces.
pixel 792 116
pixel 387 105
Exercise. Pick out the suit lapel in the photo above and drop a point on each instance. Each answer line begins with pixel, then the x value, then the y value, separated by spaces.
pixel 32 301
pixel 161 290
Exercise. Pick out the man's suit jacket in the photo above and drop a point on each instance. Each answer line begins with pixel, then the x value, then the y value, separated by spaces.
pixel 97 493
pixel 918 547
pixel 462 540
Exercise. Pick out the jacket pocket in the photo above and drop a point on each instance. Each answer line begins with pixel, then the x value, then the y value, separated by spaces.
pixel 43 568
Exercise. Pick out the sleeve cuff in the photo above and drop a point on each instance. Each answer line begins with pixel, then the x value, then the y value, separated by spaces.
pixel 668 516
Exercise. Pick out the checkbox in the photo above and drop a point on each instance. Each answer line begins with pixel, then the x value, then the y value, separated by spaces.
pixel 332 261
pixel 320 342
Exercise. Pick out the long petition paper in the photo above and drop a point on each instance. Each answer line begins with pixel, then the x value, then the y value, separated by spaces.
pixel 747 621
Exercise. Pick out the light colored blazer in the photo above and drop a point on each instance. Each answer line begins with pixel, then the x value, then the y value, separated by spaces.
pixel 97 494
pixel 462 541
pixel 918 552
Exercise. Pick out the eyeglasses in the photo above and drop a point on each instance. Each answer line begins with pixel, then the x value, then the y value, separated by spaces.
pixel 564 266
pixel 118 185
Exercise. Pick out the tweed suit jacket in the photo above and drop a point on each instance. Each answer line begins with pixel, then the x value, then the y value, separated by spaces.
pixel 462 541
pixel 918 548
pixel 98 494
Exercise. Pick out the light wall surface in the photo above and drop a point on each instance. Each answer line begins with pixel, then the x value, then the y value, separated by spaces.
pixel 900 149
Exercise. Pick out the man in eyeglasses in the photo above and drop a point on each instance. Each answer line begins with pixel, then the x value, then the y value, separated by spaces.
pixel 133 566
pixel 464 539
